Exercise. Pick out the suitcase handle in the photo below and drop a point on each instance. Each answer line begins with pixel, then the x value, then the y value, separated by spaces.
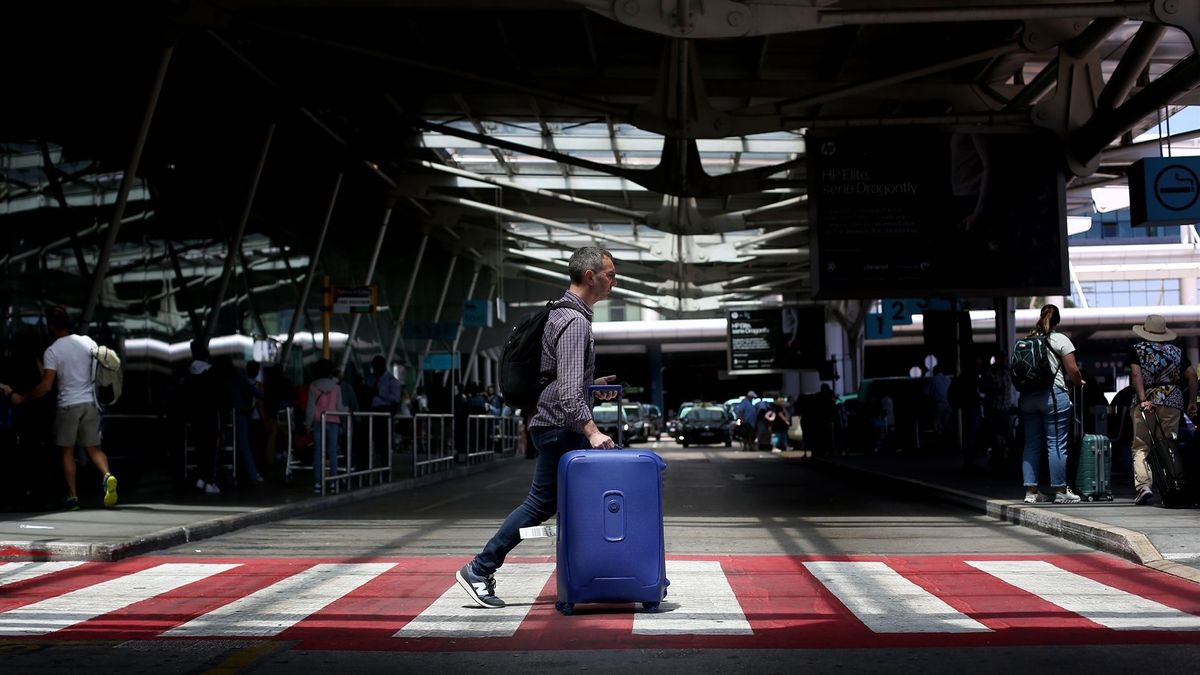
pixel 593 389
pixel 1161 432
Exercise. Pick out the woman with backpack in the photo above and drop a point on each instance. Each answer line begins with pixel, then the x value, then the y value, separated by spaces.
pixel 324 395
pixel 1042 363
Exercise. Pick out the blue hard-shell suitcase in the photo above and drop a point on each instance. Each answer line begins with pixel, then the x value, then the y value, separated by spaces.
pixel 610 528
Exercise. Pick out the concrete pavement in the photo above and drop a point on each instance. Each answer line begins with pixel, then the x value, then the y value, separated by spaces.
pixel 1165 539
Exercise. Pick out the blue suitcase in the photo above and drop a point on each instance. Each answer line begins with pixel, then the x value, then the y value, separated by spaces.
pixel 610 528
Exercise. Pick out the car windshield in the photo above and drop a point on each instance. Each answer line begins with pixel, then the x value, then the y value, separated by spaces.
pixel 704 415
pixel 632 413
pixel 603 414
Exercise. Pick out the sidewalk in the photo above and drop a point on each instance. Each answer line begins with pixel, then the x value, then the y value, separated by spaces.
pixel 154 517
pixel 1162 538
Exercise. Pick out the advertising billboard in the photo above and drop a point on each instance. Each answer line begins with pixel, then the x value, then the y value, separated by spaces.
pixel 936 213
pixel 775 339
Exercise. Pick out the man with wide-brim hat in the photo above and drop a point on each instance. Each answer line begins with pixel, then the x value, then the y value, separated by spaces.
pixel 1156 369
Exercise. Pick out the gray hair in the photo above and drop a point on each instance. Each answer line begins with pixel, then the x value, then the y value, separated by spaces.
pixel 586 258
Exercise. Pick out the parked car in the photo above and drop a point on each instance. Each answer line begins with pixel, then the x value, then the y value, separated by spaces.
pixel 705 424
pixel 652 421
pixel 628 415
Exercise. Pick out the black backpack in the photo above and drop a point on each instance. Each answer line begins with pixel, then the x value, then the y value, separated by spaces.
pixel 521 376
pixel 1030 365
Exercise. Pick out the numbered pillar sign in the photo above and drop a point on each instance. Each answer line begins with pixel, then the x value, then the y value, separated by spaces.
pixel 898 311
pixel 878 326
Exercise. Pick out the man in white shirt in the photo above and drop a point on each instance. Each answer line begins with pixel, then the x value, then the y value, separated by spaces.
pixel 69 361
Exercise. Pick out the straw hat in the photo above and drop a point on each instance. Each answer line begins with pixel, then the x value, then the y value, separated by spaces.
pixel 1154 329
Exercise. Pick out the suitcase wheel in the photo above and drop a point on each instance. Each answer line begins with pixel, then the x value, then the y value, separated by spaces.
pixel 650 606
pixel 566 607
pixel 1091 498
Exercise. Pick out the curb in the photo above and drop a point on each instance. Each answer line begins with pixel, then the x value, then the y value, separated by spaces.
pixel 182 534
pixel 1125 543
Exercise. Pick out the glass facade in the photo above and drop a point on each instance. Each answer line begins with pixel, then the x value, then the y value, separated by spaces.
pixel 1129 293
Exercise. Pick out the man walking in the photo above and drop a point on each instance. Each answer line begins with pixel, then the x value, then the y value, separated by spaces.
pixel 69 361
pixel 562 420
pixel 1156 369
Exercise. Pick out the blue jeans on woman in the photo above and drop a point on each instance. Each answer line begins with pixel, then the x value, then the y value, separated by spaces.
pixel 326 447
pixel 540 504
pixel 1044 417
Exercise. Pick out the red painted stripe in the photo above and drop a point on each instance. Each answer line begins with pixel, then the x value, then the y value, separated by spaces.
pixel 149 618
pixel 785 605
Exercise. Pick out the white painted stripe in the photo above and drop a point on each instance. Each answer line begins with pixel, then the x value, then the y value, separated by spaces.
pixel 272 610
pixel 11 573
pixel 1105 605
pixel 699 601
pixel 887 602
pixel 455 614
pixel 87 603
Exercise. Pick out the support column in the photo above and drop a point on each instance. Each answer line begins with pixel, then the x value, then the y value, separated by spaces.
pixel 655 364
pixel 302 301
pixel 475 346
pixel 387 215
pixel 458 333
pixel 1006 323
pixel 412 281
pixel 436 316
pixel 127 179
pixel 235 244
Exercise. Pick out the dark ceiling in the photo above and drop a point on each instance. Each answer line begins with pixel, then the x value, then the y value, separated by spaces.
pixel 363 87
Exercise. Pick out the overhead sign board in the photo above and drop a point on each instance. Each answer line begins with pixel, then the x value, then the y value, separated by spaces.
pixel 922 212
pixel 444 331
pixel 1164 191
pixel 355 299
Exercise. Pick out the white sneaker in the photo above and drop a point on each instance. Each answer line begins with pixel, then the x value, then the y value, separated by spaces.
pixel 212 489
pixel 1066 497
pixel 200 483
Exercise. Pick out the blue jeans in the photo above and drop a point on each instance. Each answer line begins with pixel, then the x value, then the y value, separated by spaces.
pixel 325 447
pixel 539 504
pixel 1044 417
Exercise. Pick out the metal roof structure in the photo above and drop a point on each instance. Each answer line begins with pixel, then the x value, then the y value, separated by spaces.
pixel 142 140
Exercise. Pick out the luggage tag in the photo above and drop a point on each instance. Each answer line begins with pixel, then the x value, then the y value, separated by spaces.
pixel 538 531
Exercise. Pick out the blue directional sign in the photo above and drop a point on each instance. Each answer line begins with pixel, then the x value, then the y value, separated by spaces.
pixel 477 313
pixel 437 361
pixel 1164 191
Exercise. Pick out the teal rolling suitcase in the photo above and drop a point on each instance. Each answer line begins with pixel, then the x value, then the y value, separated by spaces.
pixel 1093 477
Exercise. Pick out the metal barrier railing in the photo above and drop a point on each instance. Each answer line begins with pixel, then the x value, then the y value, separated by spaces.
pixel 352 475
pixel 491 435
pixel 433 442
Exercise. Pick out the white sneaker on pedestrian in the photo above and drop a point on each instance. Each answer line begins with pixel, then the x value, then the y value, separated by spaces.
pixel 1144 496
pixel 212 489
pixel 1066 497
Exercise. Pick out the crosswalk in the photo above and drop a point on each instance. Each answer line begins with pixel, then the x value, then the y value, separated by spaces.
pixel 718 601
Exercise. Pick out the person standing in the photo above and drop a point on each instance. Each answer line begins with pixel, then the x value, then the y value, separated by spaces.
pixel 1156 369
pixel 69 363
pixel 324 395
pixel 1046 413
pixel 562 420
pixel 384 387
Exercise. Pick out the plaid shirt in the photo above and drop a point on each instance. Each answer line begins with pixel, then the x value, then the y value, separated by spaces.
pixel 569 351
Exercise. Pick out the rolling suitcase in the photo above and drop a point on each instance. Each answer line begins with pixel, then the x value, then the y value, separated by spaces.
pixel 1171 482
pixel 610 527
pixel 1093 473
